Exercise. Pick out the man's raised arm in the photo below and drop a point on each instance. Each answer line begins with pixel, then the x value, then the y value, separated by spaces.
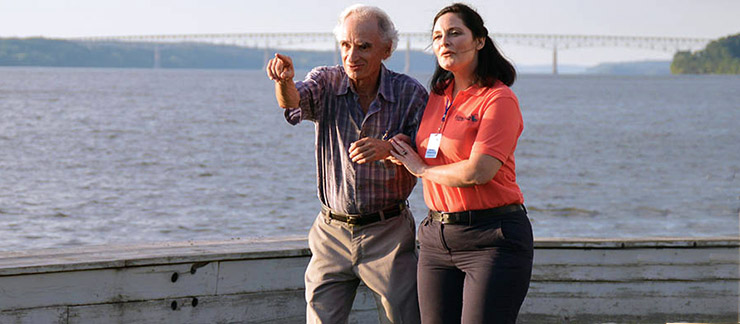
pixel 280 69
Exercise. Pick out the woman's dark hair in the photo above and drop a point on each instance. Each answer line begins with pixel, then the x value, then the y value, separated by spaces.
pixel 491 65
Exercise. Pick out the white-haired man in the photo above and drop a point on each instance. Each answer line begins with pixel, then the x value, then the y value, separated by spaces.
pixel 365 231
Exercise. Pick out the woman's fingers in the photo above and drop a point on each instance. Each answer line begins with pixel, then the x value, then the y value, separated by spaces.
pixel 401 137
pixel 401 147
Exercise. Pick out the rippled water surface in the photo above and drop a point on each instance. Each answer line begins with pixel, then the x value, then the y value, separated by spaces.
pixel 94 156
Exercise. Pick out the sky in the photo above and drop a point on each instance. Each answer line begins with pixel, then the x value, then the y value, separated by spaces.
pixel 673 18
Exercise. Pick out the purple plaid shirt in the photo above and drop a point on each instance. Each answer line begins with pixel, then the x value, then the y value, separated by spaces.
pixel 330 101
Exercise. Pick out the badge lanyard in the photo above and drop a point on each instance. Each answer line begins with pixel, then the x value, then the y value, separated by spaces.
pixel 435 139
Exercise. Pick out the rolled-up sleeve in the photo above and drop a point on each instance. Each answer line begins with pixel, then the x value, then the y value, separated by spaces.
pixel 309 106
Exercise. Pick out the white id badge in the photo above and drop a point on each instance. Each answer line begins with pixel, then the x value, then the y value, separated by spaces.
pixel 433 145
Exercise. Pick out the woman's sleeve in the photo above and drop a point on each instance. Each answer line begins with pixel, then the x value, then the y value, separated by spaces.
pixel 501 125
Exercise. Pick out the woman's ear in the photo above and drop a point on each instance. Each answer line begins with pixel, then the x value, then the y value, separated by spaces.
pixel 481 43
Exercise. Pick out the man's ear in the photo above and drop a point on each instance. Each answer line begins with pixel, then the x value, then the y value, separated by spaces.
pixel 387 52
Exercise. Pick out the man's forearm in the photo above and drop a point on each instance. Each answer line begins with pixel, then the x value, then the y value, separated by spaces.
pixel 286 94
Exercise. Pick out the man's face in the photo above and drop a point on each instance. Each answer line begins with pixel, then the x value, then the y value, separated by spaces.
pixel 362 48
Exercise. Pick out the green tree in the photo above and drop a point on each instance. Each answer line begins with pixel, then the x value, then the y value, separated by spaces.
pixel 721 56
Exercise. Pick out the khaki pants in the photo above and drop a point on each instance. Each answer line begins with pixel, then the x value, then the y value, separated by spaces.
pixel 382 255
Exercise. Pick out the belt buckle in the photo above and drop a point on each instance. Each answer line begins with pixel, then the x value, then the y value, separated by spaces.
pixel 445 219
pixel 352 220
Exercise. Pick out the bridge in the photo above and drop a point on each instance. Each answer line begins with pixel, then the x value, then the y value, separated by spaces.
pixel 410 41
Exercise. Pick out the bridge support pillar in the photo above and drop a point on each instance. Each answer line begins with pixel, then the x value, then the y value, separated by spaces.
pixel 266 54
pixel 407 64
pixel 337 53
pixel 555 59
pixel 157 62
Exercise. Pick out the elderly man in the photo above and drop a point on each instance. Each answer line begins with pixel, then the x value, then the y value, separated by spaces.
pixel 364 231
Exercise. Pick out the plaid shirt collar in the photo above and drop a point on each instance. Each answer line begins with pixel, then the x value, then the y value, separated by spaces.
pixel 385 89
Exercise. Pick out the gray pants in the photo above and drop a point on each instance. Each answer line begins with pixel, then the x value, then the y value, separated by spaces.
pixel 382 255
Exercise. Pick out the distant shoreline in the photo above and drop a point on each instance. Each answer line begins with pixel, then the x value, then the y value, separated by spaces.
pixel 42 52
pixel 522 69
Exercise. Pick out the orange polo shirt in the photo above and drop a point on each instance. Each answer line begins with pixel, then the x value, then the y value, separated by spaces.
pixel 481 120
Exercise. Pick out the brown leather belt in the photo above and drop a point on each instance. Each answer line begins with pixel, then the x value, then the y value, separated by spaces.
pixel 470 216
pixel 364 219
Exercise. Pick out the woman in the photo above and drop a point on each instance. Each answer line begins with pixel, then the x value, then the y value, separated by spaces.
pixel 475 257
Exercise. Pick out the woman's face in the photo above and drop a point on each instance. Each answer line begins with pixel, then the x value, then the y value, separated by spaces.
pixel 454 45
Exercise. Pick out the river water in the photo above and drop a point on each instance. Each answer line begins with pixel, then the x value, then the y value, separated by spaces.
pixel 94 156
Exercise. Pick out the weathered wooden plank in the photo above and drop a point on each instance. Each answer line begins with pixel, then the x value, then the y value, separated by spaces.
pixel 117 256
pixel 285 306
pixel 647 256
pixel 245 276
pixel 254 276
pixel 634 272
pixel 643 242
pixel 365 300
pixel 364 308
pixel 275 307
pixel 683 318
pixel 46 315
pixel 106 285
pixel 640 298
pixel 364 317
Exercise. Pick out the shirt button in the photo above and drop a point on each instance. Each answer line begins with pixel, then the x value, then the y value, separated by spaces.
pixel 359 187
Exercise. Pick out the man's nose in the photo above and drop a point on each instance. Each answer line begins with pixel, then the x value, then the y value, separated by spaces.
pixel 351 53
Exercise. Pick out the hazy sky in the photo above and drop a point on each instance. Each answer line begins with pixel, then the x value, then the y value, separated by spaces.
pixel 678 18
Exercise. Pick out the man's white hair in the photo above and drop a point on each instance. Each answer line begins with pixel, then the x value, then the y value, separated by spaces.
pixel 388 32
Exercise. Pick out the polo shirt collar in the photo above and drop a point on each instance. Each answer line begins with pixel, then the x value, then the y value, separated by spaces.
pixel 474 90
pixel 385 88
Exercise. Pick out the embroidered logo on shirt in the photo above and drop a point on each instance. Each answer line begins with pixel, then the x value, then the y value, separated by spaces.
pixel 472 118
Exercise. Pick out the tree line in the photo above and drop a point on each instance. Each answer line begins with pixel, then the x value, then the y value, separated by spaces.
pixel 721 56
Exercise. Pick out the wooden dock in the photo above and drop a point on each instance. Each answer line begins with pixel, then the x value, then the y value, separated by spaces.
pixel 651 280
